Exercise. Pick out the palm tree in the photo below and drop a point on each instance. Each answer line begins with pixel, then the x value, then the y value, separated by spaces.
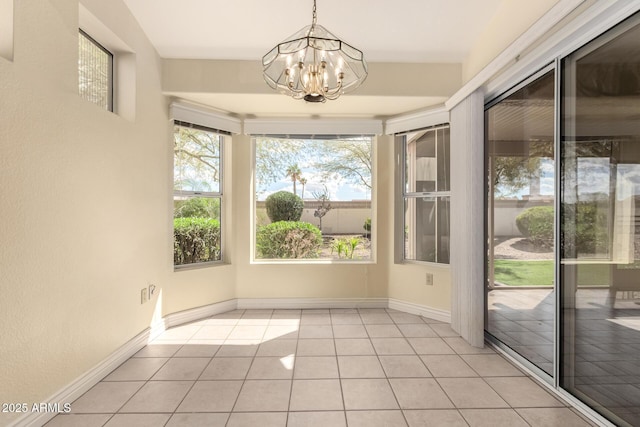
pixel 294 173
pixel 303 181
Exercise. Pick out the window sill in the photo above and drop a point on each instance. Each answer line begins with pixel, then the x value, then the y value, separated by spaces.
pixel 424 264
pixel 311 262
pixel 199 265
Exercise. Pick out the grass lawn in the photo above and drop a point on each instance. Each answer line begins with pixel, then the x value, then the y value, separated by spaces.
pixel 524 273
pixel 540 273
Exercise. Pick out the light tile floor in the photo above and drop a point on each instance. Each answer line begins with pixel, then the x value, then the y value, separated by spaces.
pixel 338 367
pixel 604 346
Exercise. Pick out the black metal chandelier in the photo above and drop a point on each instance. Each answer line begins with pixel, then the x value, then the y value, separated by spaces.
pixel 314 65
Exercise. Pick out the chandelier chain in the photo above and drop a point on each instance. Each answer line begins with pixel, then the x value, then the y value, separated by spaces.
pixel 315 15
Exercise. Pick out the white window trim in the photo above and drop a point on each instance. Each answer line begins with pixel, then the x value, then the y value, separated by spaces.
pixel 311 261
pixel 220 194
pixel 203 116
pixel 417 120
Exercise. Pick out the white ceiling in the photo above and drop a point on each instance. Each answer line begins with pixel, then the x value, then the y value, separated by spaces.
pixel 385 30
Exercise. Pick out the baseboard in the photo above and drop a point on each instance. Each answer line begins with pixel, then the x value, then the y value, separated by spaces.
pixel 310 303
pixel 92 377
pixel 83 383
pixel 422 310
pixel 198 313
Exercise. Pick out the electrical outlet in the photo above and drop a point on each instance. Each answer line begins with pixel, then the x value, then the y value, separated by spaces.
pixel 143 296
pixel 152 290
pixel 429 279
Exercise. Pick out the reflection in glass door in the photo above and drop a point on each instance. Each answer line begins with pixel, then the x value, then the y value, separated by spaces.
pixel 600 219
pixel 520 222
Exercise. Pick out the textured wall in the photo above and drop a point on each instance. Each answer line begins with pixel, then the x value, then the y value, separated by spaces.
pixel 512 19
pixel 85 207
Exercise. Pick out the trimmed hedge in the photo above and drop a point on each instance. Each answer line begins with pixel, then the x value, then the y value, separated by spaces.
pixel 585 228
pixel 536 224
pixel 197 207
pixel 284 206
pixel 288 239
pixel 195 240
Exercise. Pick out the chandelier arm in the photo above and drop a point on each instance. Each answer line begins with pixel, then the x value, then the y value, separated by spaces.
pixel 293 88
pixel 358 78
pixel 337 91
pixel 301 81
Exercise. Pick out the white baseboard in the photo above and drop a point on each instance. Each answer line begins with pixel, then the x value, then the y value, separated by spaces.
pixel 92 377
pixel 421 310
pixel 82 384
pixel 310 303
pixel 198 313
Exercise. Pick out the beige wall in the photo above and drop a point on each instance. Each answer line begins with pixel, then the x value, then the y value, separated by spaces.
pixel 511 20
pixel 185 76
pixel 85 207
pixel 407 282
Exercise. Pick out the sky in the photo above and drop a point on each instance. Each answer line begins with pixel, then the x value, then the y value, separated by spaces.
pixel 340 189
pixel 593 179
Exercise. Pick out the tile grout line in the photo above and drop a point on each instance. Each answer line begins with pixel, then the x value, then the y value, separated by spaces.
pixel 244 381
pixel 335 348
pixel 196 380
pixel 385 373
pixel 295 361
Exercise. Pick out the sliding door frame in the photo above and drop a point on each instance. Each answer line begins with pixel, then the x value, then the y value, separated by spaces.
pixel 551 380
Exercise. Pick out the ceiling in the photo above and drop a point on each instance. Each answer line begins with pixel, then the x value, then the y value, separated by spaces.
pixel 397 31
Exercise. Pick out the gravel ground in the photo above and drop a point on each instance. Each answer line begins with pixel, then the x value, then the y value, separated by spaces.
pixel 519 248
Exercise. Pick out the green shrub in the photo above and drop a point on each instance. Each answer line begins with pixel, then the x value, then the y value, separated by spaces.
pixel 197 207
pixel 284 206
pixel 536 224
pixel 195 240
pixel 288 239
pixel 585 228
pixel 367 227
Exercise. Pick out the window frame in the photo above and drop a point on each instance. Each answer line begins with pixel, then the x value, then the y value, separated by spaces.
pixel 315 261
pixel 110 77
pixel 406 195
pixel 188 194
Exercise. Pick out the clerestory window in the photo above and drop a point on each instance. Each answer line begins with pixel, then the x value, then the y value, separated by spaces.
pixel 95 72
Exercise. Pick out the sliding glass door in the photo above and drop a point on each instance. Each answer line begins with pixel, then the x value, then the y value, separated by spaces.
pixel 600 217
pixel 563 223
pixel 520 268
